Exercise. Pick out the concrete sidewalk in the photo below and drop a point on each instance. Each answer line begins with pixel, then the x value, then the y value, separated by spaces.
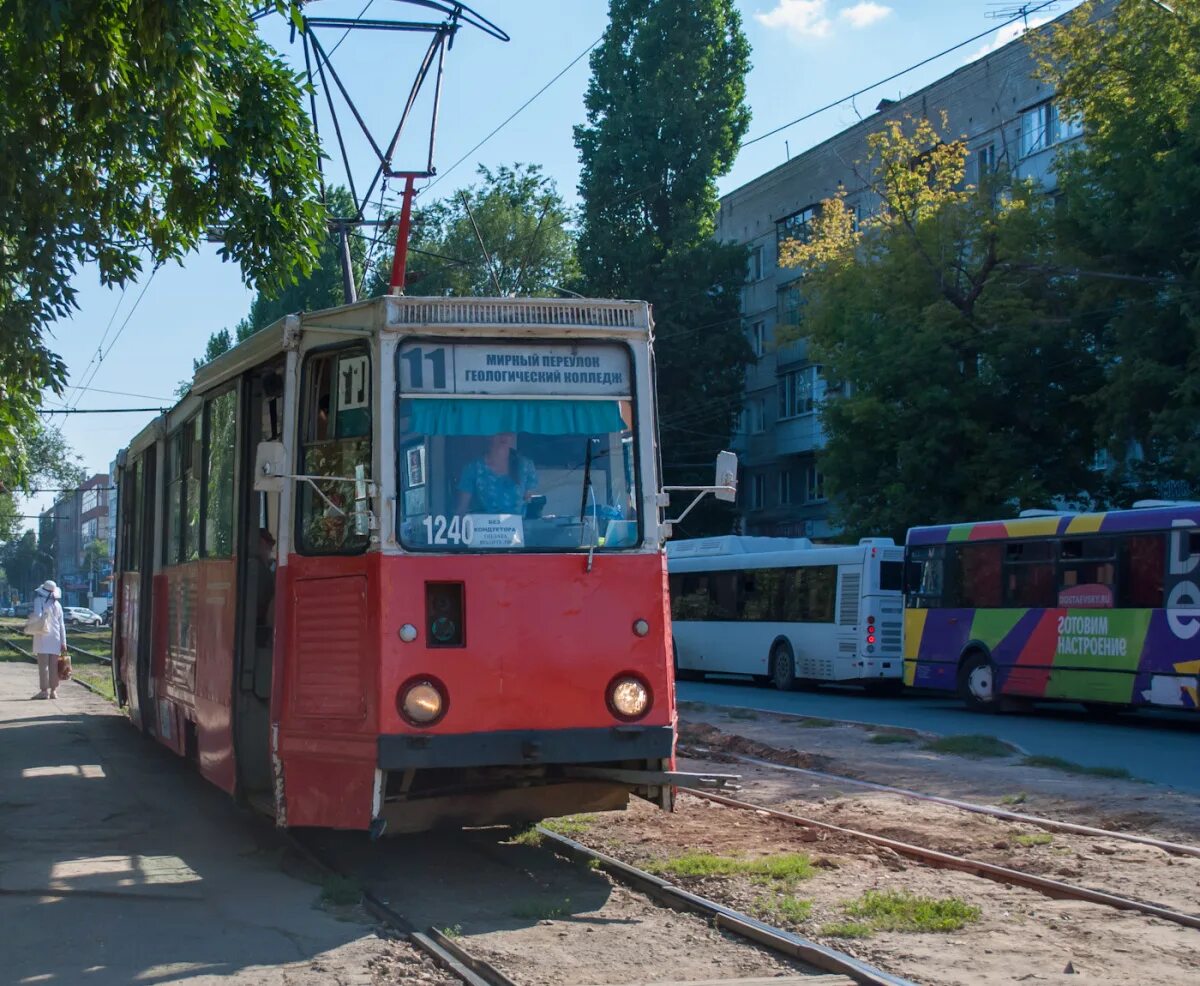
pixel 119 864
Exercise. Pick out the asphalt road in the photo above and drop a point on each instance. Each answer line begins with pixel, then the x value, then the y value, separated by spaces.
pixel 1163 747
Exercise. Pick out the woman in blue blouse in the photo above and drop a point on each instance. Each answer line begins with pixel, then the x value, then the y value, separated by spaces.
pixel 498 482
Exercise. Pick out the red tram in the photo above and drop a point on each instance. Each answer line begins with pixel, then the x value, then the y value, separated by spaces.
pixel 398 564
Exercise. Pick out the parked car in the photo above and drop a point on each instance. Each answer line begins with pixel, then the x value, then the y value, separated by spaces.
pixel 81 616
pixel 22 609
pixel 8 611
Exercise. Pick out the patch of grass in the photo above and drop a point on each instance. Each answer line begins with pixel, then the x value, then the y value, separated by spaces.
pixel 970 745
pixel 887 739
pixel 340 891
pixel 785 868
pixel 1070 767
pixel 848 929
pixel 594 864
pixel 1034 839
pixel 572 826
pixel 741 714
pixel 780 909
pixel 541 910
pixel 815 723
pixel 453 932
pixel 891 910
pixel 1015 799
pixel 528 836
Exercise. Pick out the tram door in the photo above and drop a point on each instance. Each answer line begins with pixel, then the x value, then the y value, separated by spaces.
pixel 258 519
pixel 145 609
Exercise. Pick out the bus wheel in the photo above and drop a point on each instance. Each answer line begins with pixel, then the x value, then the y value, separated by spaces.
pixel 783 667
pixel 978 685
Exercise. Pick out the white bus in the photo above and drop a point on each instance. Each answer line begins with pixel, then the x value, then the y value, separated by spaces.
pixel 788 612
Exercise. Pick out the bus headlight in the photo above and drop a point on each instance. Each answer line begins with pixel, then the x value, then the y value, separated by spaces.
pixel 422 701
pixel 628 697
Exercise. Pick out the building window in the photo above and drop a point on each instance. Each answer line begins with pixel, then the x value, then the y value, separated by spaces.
pixel 800 391
pixel 756 491
pixel 797 226
pixel 754 265
pixel 985 162
pixel 788 304
pixel 814 484
pixel 756 416
pixel 758 338
pixel 1042 127
pixel 90 500
pixel 785 486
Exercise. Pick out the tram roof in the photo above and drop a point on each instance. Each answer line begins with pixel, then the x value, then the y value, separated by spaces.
pixel 516 316
pixel 1156 516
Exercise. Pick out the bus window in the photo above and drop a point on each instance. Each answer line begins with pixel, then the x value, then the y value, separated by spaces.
pixel 1029 574
pixel 979 581
pixel 1088 562
pixel 336 438
pixel 810 593
pixel 926 568
pixel 1143 560
pixel 689 597
pixel 891 576
pixel 761 593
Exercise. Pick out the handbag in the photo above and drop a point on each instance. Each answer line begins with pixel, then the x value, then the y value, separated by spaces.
pixel 41 621
pixel 64 668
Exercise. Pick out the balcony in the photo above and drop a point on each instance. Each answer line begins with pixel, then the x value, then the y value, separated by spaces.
pixel 794 436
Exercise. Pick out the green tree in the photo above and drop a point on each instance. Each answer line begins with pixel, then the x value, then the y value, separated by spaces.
pixel 48 461
pixel 128 130
pixel 523 223
pixel 23 564
pixel 1131 223
pixel 665 115
pixel 944 320
pixel 322 287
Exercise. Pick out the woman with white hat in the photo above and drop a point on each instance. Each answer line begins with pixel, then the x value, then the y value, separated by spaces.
pixel 50 640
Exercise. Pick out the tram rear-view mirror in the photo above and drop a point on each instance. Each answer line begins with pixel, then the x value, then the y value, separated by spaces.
pixel 726 481
pixel 270 467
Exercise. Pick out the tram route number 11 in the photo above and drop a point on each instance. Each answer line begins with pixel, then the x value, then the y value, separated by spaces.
pixel 437 361
pixel 457 530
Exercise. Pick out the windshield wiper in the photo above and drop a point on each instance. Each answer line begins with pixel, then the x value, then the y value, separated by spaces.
pixel 587 479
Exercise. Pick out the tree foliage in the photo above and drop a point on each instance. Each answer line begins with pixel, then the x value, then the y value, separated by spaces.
pixel 46 461
pixel 665 115
pixel 1131 224
pixel 942 315
pixel 128 130
pixel 522 222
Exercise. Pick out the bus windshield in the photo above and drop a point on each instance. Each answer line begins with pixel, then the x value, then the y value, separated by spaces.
pixel 505 447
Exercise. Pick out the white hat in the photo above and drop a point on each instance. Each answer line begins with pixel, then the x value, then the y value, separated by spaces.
pixel 51 587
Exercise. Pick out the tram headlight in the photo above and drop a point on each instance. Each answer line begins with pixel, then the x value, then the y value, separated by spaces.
pixel 422 701
pixel 628 697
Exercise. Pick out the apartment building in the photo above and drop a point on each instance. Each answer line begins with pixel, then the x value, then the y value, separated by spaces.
pixel 77 519
pixel 1009 119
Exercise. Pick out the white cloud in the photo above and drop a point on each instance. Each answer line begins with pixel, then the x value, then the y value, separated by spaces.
pixel 802 19
pixel 864 14
pixel 1010 32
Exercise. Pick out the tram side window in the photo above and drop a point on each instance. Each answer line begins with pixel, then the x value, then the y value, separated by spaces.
pixel 336 438
pixel 131 518
pixel 1143 562
pixel 1029 574
pixel 220 449
pixel 174 487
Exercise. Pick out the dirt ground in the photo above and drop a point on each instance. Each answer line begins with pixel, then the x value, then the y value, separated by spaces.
pixel 1020 935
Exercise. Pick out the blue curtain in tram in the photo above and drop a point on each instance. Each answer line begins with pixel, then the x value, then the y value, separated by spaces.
pixel 451 416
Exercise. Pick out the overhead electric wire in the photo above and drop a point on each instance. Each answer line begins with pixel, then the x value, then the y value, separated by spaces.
pixel 520 109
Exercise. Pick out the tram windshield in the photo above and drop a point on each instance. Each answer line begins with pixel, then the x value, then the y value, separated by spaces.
pixel 516 447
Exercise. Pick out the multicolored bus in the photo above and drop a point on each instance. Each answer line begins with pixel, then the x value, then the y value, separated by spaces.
pixel 1097 608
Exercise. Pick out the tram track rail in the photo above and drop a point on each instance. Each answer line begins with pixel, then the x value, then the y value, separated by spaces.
pixel 1049 824
pixel 822 957
pixel 1055 889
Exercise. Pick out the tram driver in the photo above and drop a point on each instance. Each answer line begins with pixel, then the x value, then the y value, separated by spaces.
pixel 501 481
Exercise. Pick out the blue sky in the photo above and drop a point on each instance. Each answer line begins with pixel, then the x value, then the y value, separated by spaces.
pixel 806 53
